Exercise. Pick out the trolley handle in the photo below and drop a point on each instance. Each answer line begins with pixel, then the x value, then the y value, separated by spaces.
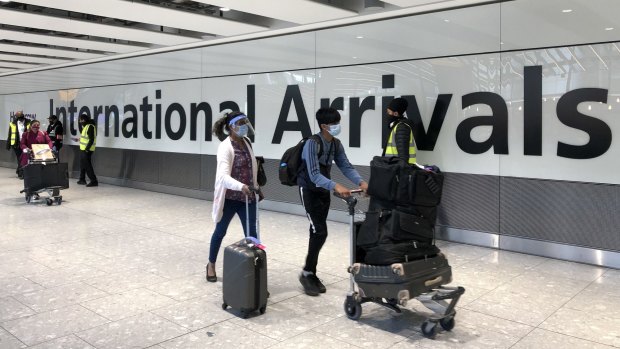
pixel 350 200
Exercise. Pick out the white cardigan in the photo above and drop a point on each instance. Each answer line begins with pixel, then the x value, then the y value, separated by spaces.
pixel 223 180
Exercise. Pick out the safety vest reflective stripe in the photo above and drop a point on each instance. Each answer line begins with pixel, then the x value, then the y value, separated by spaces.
pixel 391 149
pixel 84 138
pixel 13 133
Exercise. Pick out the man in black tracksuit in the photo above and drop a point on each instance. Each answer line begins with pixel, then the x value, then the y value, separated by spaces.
pixel 315 186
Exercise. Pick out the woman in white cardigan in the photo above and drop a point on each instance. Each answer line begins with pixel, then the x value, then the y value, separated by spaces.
pixel 236 173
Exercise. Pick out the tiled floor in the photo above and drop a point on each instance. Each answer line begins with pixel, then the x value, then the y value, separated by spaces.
pixel 114 267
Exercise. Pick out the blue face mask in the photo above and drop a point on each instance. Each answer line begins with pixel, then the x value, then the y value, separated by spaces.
pixel 334 130
pixel 242 131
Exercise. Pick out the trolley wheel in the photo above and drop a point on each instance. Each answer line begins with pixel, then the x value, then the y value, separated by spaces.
pixel 28 198
pixel 447 323
pixel 244 314
pixel 49 202
pixel 263 309
pixel 224 306
pixel 429 329
pixel 352 308
pixel 58 200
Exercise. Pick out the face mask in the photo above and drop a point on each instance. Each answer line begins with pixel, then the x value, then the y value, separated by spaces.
pixel 334 130
pixel 242 130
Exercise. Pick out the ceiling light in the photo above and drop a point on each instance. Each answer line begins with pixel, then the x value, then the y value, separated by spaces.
pixel 354 57
pixel 359 37
pixel 446 20
pixel 224 9
pixel 609 28
pixel 568 10
pixel 609 107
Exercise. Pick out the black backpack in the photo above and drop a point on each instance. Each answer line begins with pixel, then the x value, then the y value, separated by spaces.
pixel 291 161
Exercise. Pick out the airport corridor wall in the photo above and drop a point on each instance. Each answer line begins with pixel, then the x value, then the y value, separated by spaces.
pixel 516 102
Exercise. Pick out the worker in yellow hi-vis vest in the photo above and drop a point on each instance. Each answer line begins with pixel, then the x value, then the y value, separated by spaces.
pixel 401 142
pixel 17 127
pixel 88 140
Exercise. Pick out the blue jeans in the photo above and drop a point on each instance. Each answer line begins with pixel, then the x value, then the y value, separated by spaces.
pixel 231 207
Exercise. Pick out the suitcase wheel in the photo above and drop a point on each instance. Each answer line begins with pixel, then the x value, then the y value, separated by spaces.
pixel 429 329
pixel 262 309
pixel 28 198
pixel 352 308
pixel 58 200
pixel 447 323
pixel 49 202
pixel 224 306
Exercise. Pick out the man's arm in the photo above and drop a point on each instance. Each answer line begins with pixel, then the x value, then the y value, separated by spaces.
pixel 401 138
pixel 342 161
pixel 59 133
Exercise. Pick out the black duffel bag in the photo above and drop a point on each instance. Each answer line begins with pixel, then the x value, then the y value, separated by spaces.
pixel 387 254
pixel 385 182
pixel 416 225
pixel 393 180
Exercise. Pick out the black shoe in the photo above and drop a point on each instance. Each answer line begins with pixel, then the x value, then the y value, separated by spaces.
pixel 211 278
pixel 81 182
pixel 318 283
pixel 93 184
pixel 310 287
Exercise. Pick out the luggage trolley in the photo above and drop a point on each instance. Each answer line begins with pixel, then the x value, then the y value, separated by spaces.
pixel 44 174
pixel 394 285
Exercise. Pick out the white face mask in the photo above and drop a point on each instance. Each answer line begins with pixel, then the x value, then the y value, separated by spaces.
pixel 334 130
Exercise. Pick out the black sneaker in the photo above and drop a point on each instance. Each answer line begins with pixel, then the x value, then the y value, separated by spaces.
pixel 310 287
pixel 318 283
pixel 93 184
pixel 81 182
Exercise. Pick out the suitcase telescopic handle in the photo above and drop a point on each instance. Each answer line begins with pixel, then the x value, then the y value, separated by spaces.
pixel 254 190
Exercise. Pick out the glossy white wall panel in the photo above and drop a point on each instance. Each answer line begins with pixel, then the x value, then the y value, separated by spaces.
pixel 280 53
pixel 31 103
pixel 597 68
pixel 425 79
pixel 446 33
pixel 534 23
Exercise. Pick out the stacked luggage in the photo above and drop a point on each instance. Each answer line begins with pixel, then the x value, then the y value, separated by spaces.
pixel 45 175
pixel 393 254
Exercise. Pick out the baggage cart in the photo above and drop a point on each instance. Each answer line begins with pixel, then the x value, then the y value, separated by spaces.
pixel 392 286
pixel 44 174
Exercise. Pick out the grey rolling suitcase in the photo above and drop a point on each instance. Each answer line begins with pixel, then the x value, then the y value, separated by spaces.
pixel 244 285
pixel 402 281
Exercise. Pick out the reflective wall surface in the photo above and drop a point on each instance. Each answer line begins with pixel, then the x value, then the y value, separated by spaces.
pixel 517 102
